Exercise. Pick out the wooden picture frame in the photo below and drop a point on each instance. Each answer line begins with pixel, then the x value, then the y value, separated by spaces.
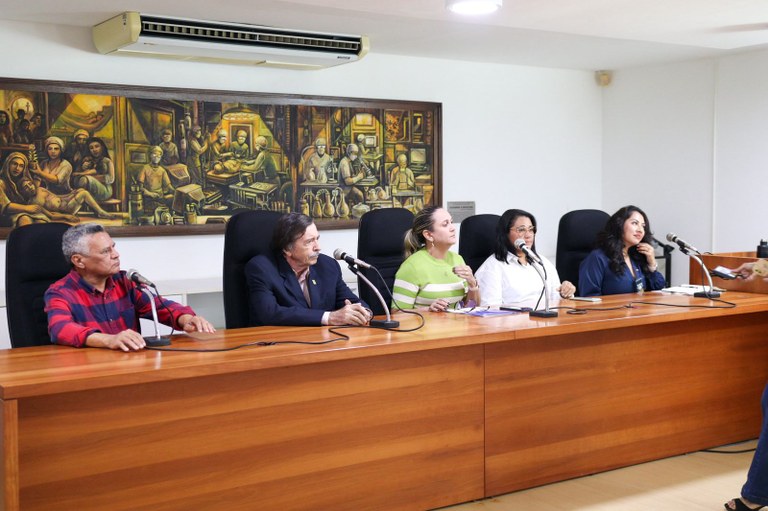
pixel 201 184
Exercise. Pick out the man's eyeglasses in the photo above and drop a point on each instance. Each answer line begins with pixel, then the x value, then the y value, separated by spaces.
pixel 523 230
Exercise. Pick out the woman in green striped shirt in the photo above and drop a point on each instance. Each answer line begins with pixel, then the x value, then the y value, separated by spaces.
pixel 432 277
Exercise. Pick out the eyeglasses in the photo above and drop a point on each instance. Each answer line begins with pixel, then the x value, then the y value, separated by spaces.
pixel 522 230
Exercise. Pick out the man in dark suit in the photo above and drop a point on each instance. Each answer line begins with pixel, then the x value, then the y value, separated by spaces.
pixel 297 285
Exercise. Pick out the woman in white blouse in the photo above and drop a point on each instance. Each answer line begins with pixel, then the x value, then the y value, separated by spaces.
pixel 507 276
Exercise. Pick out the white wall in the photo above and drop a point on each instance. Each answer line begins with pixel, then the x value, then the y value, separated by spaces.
pixel 741 153
pixel 512 136
pixel 689 144
pixel 657 150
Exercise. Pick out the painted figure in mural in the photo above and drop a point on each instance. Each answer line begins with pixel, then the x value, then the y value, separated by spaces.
pixel 54 171
pixel 196 147
pixel 402 176
pixel 23 135
pixel 222 156
pixel 6 134
pixel 98 180
pixel 21 115
pixel 37 127
pixel 361 145
pixel 349 176
pixel 155 183
pixel 67 204
pixel 77 149
pixel 169 148
pixel 240 149
pixel 17 190
pixel 317 166
pixel 263 163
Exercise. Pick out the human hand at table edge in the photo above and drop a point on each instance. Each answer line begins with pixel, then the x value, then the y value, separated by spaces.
pixel 350 314
pixel 190 323
pixel 127 340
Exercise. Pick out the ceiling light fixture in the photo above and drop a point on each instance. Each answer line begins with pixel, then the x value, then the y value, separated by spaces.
pixel 473 7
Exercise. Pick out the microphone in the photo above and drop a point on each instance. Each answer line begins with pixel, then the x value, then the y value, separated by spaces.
pixel 139 279
pixel 530 254
pixel 681 243
pixel 340 255
pixel 694 254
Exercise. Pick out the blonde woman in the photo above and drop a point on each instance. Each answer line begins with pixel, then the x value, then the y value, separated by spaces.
pixel 433 278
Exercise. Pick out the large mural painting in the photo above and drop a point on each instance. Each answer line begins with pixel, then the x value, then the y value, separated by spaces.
pixel 175 161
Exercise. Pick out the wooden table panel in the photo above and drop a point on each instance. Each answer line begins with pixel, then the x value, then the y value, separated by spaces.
pixel 356 435
pixel 384 420
pixel 582 403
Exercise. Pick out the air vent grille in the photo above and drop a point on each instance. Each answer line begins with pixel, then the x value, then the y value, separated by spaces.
pixel 241 34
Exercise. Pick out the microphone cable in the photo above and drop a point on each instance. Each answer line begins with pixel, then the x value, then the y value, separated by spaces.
pixel 544 286
pixel 631 305
pixel 739 451
pixel 392 301
pixel 341 337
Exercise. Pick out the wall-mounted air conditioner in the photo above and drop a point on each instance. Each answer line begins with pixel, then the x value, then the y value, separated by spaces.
pixel 235 43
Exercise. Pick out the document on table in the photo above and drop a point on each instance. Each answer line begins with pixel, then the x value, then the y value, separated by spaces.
pixel 482 312
pixel 689 289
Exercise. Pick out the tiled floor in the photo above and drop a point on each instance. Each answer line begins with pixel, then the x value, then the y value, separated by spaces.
pixel 696 482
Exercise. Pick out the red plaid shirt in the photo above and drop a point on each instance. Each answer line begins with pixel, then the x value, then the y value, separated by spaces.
pixel 76 310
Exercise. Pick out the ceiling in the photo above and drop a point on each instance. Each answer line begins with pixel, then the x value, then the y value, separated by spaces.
pixel 573 34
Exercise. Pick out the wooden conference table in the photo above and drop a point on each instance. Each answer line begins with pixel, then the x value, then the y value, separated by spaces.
pixel 464 408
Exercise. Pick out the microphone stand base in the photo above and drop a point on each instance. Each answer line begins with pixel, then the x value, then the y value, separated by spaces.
pixel 543 314
pixel 154 342
pixel 706 294
pixel 384 323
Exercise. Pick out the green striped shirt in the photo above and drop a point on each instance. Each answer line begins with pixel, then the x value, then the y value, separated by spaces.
pixel 422 279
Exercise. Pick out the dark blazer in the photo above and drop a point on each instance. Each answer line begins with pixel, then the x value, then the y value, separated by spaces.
pixel 276 297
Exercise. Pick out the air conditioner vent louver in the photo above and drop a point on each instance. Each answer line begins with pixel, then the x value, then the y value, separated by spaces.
pixel 160 28
pixel 132 33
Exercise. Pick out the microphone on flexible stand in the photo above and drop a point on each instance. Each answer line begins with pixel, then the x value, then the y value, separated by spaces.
pixel 340 255
pixel 139 279
pixel 684 246
pixel 534 258
pixel 694 254
pixel 146 286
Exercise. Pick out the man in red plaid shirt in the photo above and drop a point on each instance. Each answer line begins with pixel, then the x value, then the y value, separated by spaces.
pixel 97 305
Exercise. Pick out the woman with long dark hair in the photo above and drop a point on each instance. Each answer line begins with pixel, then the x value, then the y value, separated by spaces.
pixel 624 260
pixel 507 276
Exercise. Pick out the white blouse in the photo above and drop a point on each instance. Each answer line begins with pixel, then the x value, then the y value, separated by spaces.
pixel 514 282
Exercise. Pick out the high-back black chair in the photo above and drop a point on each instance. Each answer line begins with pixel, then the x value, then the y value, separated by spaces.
pixel 477 238
pixel 247 234
pixel 380 243
pixel 33 261
pixel 576 235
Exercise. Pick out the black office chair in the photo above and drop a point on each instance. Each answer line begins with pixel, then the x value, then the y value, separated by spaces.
pixel 247 234
pixel 33 261
pixel 477 238
pixel 380 243
pixel 576 235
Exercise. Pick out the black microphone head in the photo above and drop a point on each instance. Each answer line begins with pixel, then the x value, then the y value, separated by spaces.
pixel 519 243
pixel 338 254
